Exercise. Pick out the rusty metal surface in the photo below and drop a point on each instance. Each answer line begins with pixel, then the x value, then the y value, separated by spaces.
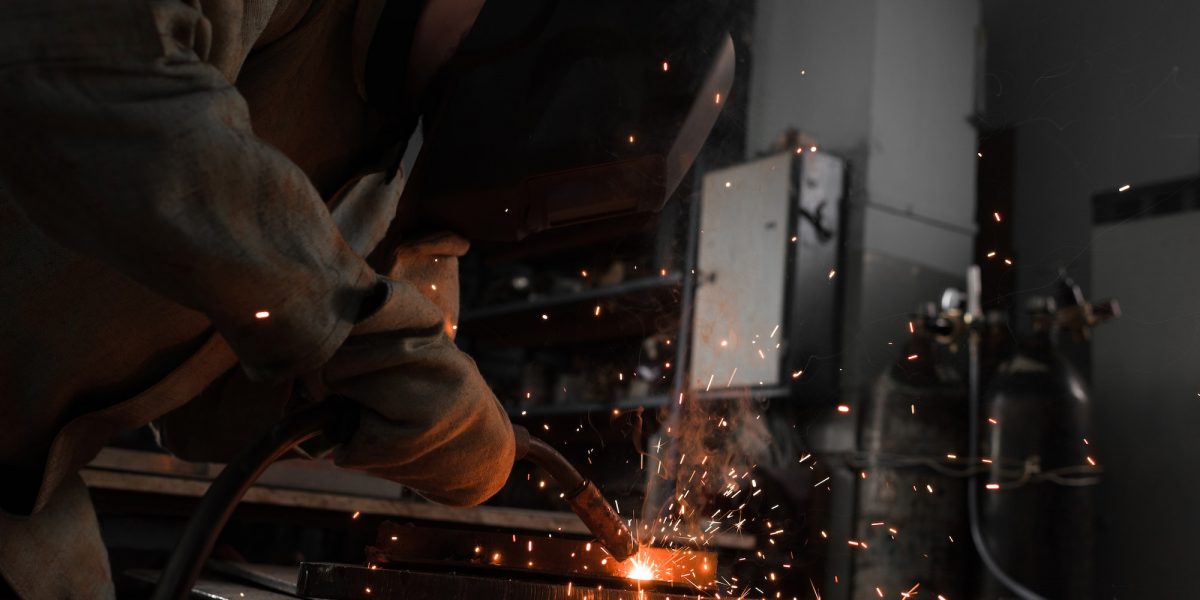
pixel 344 582
pixel 490 552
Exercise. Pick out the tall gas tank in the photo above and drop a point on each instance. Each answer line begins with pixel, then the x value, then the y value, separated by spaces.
pixel 911 513
pixel 1038 505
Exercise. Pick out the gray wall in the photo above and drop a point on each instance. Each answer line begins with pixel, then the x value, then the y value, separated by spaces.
pixel 888 85
pixel 1105 93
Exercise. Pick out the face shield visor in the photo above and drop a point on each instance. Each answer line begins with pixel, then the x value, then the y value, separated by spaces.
pixel 558 112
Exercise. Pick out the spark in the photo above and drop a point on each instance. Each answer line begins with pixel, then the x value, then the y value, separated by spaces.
pixel 717 98
pixel 912 357
pixel 1091 461
pixel 666 66
pixel 355 515
pixel 632 139
pixel 812 149
pixel 731 376
pixel 262 314
pixel 832 273
pixel 818 484
pixel 545 317
pixel 583 273
pixel 993 421
pixel 797 374
pixel 991 254
pixel 952 456
pixel 640 570
pixel 911 329
pixel 728 184
pixel 992 486
pixel 434 286
pixel 1008 261
pixel 597 311
pixel 1124 188
pixel 996 216
pixel 843 408
pixel 979 154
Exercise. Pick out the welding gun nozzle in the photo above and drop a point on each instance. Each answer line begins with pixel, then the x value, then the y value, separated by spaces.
pixel 583 497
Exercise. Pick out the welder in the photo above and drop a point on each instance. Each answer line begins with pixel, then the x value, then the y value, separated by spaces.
pixel 203 226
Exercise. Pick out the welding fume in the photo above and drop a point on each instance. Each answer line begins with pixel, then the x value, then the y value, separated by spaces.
pixel 206 226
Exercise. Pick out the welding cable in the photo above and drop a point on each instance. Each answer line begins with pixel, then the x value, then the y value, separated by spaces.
pixel 336 418
pixel 973 408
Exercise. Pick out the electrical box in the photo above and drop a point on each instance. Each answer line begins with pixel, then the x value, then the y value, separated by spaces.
pixel 767 285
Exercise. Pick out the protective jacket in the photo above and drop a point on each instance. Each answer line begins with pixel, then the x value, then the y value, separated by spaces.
pixel 186 197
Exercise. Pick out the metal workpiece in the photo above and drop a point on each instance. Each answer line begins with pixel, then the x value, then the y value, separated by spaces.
pixel 542 556
pixel 582 496
pixel 344 582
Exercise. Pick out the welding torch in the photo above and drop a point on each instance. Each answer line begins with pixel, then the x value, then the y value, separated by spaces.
pixel 337 419
pixel 582 495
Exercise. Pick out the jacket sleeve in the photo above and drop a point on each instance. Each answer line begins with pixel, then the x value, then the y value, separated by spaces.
pixel 428 418
pixel 121 142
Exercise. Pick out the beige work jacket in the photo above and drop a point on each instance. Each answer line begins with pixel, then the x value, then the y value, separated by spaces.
pixel 186 195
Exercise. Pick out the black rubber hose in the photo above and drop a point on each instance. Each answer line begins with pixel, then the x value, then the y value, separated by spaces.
pixel 336 418
pixel 974 410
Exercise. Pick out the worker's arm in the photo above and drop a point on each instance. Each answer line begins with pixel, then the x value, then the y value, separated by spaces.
pixel 428 420
pixel 120 142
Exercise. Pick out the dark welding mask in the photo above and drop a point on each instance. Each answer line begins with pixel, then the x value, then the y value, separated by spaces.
pixel 557 112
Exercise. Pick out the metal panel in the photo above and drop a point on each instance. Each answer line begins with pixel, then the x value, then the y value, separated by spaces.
pixel 741 263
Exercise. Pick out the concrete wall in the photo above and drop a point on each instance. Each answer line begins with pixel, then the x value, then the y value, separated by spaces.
pixel 887 84
pixel 1105 93
pixel 890 86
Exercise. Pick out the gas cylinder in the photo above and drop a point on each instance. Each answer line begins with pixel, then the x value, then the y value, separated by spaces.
pixel 1038 507
pixel 911 505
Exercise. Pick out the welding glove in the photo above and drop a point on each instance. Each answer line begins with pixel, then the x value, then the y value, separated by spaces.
pixel 428 419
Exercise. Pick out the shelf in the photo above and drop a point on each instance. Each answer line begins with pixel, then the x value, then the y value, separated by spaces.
pixel 542 304
pixel 551 410
pixel 631 309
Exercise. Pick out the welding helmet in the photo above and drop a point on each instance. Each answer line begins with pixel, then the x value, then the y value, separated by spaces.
pixel 557 112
